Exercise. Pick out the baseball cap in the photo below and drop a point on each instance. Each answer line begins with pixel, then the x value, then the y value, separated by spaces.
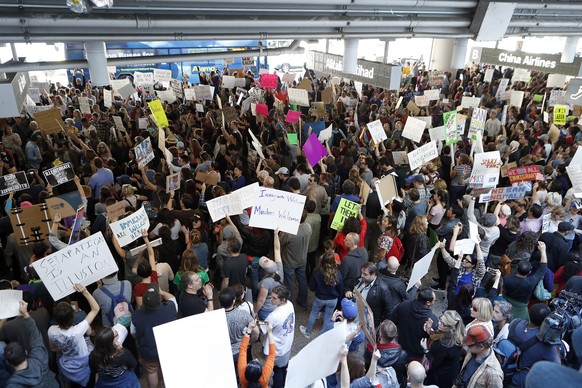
pixel 151 298
pixel 418 178
pixel 565 226
pixel 282 170
pixel 488 220
pixel 475 335
pixel 349 309
pixel 228 232
pixel 268 265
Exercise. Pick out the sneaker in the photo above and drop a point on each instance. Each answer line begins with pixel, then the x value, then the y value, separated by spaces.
pixel 303 330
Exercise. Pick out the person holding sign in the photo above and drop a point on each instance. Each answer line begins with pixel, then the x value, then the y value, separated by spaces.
pixel 112 362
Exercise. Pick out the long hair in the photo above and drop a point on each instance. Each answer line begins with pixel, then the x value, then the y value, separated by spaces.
pixel 190 262
pixel 454 336
pixel 105 348
pixel 418 226
pixel 329 270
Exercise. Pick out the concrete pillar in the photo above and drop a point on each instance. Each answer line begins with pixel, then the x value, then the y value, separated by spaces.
pixel 387 48
pixel 441 54
pixel 569 50
pixel 97 63
pixel 14 53
pixel 350 55
pixel 459 53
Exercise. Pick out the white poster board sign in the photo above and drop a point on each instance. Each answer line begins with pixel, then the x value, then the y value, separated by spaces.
pixel 277 209
pixel 427 120
pixel 10 303
pixel 437 133
pixel 464 247
pixel 298 97
pixel 420 268
pixel 225 205
pixel 190 94
pixel 575 175
pixel 521 75
pixel 423 154
pixel 227 81
pixel 377 131
pixel 140 78
pixel 485 172
pixel 470 102
pixel 84 262
pixel 414 129
pixel 246 195
pixel 214 366
pixel 433 94
pixel 488 75
pixel 166 95
pixel 162 76
pixel 129 229
pixel 556 81
pixel 516 98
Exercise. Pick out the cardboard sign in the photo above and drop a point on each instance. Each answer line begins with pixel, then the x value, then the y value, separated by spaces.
pixel 327 95
pixel 65 204
pixel 313 150
pixel 158 112
pixel 31 224
pixel 298 97
pixel 13 182
pixel 225 205
pixel 305 84
pixel 485 172
pixel 116 210
pixel 423 154
pixel 129 229
pixel 292 116
pixel 277 209
pixel 10 303
pixel 84 262
pixel 451 132
pixel 413 129
pixel 387 189
pixel 344 210
pixel 172 183
pixel 60 174
pixel 214 368
pixel 523 174
pixel 209 178
pixel 144 153
pixel 505 169
pixel 366 316
pixel 49 121
pixel 377 131
pixel 413 108
pixel 560 113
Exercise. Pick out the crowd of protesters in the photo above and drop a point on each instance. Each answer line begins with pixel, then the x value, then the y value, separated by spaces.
pixel 522 258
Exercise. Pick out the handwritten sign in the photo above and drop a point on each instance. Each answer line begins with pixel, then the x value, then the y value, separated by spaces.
pixel 485 172
pixel 560 113
pixel 421 100
pixel 203 92
pixel 269 81
pixel 504 194
pixel 478 119
pixel 225 205
pixel 246 195
pixel 413 129
pixel 116 210
pixel 523 174
pixel 13 182
pixel 275 208
pixel 344 210
pixel 65 204
pixel 49 121
pixel 377 131
pixel 433 95
pixel 143 78
pixel 422 155
pixel 437 133
pixel 162 76
pixel 129 229
pixel 298 97
pixel 450 119
pixel 159 113
pixel 84 262
pixel 516 98
pixel 470 102
pixel 10 303
pixel 144 152
pixel 575 174
pixel 60 174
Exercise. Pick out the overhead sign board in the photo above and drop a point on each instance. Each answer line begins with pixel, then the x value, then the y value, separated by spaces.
pixel 13 93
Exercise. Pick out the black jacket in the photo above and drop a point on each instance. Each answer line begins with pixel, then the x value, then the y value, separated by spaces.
pixel 557 249
pixel 380 300
pixel 397 287
pixel 410 317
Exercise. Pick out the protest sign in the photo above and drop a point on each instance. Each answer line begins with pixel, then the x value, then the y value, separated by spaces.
pixel 413 129
pixel 253 108
pixel 144 153
pixel 516 98
pixel 505 194
pixel 230 114
pixel 327 95
pixel 172 182
pixel 427 120
pixel 65 204
pixel 246 195
pixel 204 92
pixel 129 229
pixel 162 76
pixel 488 75
pixel 557 97
pixel 450 121
pixel 166 96
pixel 366 316
pixel 305 84
pixel 84 262
pixel 575 174
pixel 13 182
pixel 437 133
pixel 225 205
pixel 421 100
pixel 387 189
pixel 400 99
pixel 123 87
pixel 560 113
pixel 377 131
pixel 277 209
pixel 344 210
pixel 118 122
pixel 505 169
pixel 31 224
pixel 521 75
pixel 433 94
pixel 556 81
pixel 116 210
pixel 318 109
pixel 214 366
pixel 199 108
pixel 78 224
pixel 413 108
pixel 262 109
pixel 315 126
pixel 227 81
pixel 10 303
pixel 501 89
pixel 292 138
pixel 269 81
pixel 546 222
pixel 420 268
pixel 190 94
pixel 523 174
pixel 485 172
pixel 143 123
pixel 34 93
pixel 288 78
pixel 470 102
pixel 158 113
pixel 478 119
pixel 313 150
pixel 60 174
pixel 423 154
pixel 85 106
pixel 400 157
pixel 298 97
pixel 322 351
pixel 49 121
pixel 210 178
pixel 140 78
pixel 325 134
pixel 464 247
pixel 577 159
pixel 136 251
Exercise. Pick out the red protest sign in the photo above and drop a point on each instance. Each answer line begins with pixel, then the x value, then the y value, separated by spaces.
pixel 269 81
pixel 262 109
pixel 523 174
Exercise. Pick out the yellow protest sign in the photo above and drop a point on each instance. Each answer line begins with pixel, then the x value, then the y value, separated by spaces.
pixel 560 112
pixel 158 112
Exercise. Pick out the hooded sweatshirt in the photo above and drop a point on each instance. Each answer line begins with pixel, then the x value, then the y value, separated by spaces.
pixel 410 317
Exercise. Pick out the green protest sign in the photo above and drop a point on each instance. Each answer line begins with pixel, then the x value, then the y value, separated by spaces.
pixel 292 138
pixel 451 133
pixel 344 210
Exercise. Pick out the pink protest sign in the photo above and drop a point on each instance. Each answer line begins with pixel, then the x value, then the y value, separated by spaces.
pixel 313 150
pixel 269 80
pixel 292 116
pixel 262 109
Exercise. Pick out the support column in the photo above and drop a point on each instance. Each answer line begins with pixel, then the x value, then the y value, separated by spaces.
pixel 97 63
pixel 569 50
pixel 14 53
pixel 459 53
pixel 441 54
pixel 387 48
pixel 350 56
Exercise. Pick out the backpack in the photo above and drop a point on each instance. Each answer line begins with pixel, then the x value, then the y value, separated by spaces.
pixel 387 377
pixel 120 311
pixel 508 353
pixel 397 249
